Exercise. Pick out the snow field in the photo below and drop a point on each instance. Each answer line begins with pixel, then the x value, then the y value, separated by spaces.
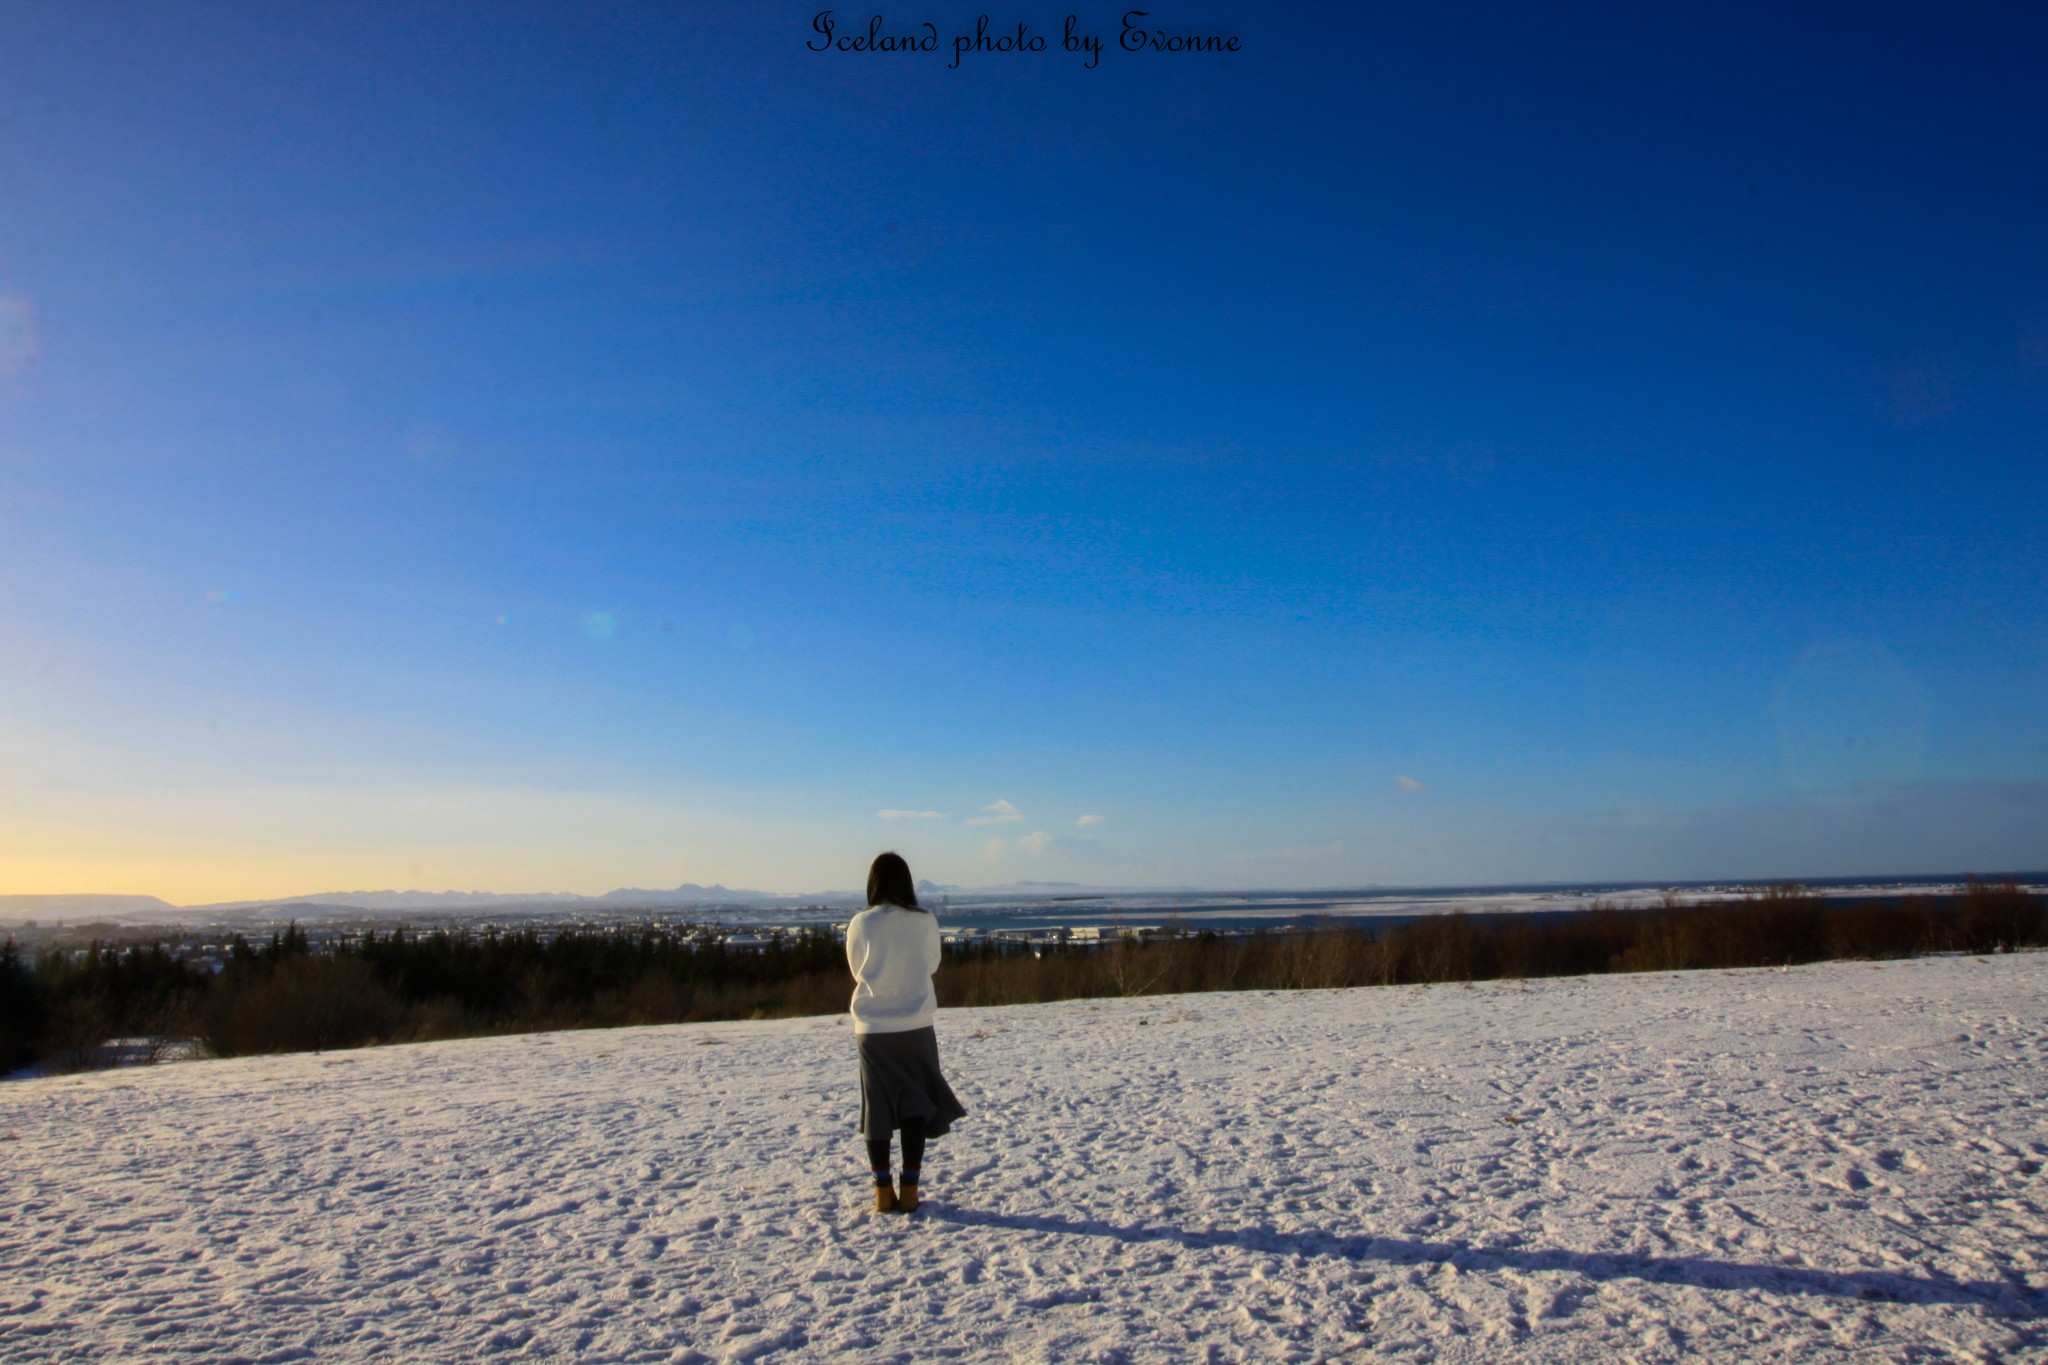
pixel 1837 1162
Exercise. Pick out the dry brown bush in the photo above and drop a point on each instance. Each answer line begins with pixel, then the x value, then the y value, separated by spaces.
pixel 1996 917
pixel 306 1003
pixel 76 1032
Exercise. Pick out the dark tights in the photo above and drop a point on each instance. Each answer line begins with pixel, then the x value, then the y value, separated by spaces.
pixel 913 1148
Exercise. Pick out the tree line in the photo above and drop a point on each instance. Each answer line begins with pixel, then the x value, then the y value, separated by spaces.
pixel 59 1009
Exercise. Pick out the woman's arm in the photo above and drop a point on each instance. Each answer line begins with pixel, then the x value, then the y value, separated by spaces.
pixel 934 950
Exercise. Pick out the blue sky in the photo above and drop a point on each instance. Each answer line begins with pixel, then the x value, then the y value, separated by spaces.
pixel 517 446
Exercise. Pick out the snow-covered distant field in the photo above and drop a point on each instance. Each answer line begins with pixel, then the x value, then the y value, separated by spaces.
pixel 1838 1162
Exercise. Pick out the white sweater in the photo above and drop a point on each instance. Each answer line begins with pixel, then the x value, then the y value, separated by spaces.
pixel 893 953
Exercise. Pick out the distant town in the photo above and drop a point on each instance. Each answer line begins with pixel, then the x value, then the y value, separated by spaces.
pixel 1033 915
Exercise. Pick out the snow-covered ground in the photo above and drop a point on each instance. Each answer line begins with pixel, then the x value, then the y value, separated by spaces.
pixel 1831 1163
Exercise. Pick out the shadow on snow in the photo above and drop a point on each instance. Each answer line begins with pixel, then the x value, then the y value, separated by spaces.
pixel 2007 1299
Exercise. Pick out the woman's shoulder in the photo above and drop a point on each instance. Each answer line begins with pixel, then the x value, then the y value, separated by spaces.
pixel 885 910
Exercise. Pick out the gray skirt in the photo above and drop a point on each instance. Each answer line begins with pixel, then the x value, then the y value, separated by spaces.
pixel 900 1079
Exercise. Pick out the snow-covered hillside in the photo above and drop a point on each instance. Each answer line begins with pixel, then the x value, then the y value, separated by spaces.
pixel 1830 1163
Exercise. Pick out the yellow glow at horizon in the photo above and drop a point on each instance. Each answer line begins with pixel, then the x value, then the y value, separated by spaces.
pixel 196 847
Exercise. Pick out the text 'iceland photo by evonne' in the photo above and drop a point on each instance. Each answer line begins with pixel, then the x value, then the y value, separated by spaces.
pixel 722 682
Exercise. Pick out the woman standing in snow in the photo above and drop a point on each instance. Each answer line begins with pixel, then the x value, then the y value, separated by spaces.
pixel 893 948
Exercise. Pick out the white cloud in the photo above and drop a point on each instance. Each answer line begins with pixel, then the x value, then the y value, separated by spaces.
pixel 911 814
pixel 1035 843
pixel 1409 784
pixel 998 813
pixel 1087 820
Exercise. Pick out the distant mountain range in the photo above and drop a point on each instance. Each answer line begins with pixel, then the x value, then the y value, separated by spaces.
pixel 75 908
pixel 85 907
pixel 319 903
pixel 689 893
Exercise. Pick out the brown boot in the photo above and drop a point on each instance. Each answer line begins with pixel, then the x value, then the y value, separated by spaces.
pixel 906 1202
pixel 885 1199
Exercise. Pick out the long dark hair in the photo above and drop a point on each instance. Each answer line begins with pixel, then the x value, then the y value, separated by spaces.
pixel 889 882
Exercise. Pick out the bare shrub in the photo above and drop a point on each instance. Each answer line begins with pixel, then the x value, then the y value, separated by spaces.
pixel 1217 963
pixel 1327 956
pixel 166 1032
pixel 810 993
pixel 1131 965
pixel 1782 925
pixel 306 1003
pixel 533 990
pixel 1877 931
pixel 1673 941
pixel 1439 948
pixel 651 997
pixel 1589 941
pixel 1177 955
pixel 75 1033
pixel 441 1017
pixel 1996 917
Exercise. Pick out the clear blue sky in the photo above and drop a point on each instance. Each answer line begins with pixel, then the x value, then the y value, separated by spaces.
pixel 549 446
